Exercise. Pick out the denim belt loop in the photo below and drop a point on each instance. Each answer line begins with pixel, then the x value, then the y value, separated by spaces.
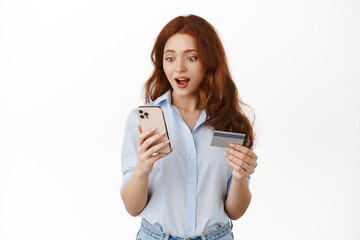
pixel 203 237
pixel 231 224
pixel 167 236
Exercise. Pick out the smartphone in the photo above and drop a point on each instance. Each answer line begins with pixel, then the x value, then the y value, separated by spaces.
pixel 153 117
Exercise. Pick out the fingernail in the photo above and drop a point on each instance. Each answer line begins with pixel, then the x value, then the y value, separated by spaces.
pixel 226 154
pixel 152 129
pixel 227 149
pixel 233 145
pixel 162 134
pixel 166 142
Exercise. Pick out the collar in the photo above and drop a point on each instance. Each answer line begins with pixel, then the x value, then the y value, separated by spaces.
pixel 164 100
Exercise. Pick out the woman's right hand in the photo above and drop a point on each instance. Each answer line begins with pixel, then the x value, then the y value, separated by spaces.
pixel 146 159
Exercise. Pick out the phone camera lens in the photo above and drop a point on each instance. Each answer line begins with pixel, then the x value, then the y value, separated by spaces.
pixel 146 114
pixel 141 116
pixel 140 111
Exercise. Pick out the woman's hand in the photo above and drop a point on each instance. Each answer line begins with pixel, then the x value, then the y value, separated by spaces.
pixel 145 153
pixel 242 160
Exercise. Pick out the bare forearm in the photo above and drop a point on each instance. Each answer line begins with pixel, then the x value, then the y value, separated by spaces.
pixel 135 193
pixel 238 199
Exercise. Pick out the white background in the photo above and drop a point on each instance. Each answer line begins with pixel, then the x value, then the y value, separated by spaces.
pixel 71 71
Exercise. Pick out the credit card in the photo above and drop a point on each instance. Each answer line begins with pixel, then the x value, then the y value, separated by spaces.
pixel 223 139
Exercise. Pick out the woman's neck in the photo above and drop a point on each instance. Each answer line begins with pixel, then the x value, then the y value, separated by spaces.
pixel 188 103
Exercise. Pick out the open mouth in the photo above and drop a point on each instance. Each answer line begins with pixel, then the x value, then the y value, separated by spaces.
pixel 182 81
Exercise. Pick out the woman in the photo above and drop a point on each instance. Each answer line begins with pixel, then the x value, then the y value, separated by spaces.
pixel 193 191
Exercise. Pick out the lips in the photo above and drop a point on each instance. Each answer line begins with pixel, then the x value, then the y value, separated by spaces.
pixel 182 82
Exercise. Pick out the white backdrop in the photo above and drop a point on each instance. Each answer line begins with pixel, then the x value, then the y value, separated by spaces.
pixel 71 71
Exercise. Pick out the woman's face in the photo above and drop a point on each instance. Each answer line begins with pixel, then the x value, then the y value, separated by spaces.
pixel 182 67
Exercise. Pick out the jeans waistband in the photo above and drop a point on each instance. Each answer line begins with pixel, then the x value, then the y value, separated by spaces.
pixel 213 235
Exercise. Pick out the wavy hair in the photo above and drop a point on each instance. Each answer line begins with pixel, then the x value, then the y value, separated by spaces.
pixel 217 91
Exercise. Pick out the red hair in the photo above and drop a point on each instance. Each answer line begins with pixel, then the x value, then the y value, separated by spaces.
pixel 217 91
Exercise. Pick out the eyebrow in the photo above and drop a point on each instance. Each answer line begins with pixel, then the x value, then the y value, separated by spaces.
pixel 187 50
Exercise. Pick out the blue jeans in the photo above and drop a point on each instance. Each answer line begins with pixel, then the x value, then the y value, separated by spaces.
pixel 149 232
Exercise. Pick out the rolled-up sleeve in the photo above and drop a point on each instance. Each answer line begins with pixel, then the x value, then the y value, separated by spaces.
pixel 129 151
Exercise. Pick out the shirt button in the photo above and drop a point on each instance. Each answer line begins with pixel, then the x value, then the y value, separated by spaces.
pixel 192 156
pixel 192 180
pixel 190 226
pixel 191 204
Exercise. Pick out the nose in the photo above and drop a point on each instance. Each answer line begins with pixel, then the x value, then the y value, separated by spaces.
pixel 180 66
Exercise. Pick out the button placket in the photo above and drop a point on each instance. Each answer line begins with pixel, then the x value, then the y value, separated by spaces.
pixel 192 189
pixel 191 185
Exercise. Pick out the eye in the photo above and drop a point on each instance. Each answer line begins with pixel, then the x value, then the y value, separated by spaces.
pixel 192 58
pixel 169 59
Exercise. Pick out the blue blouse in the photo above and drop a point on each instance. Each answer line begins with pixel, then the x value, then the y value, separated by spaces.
pixel 187 188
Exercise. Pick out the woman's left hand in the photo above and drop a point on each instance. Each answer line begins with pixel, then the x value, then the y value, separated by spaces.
pixel 242 160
